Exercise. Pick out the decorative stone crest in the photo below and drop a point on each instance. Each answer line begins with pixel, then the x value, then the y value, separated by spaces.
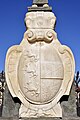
pixel 40 70
pixel 40 26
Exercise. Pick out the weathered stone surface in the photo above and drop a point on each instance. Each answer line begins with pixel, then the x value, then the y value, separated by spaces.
pixel 9 118
pixel 40 70
pixel 65 118
pixel 40 1
pixel 34 9
pixel 69 104
pixel 10 105
pixel 40 5
pixel 44 66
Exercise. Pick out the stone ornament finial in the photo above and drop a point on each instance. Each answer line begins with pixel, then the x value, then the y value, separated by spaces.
pixel 40 70
pixel 40 5
pixel 40 1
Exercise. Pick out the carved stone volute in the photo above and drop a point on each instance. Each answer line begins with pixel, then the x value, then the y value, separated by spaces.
pixel 40 26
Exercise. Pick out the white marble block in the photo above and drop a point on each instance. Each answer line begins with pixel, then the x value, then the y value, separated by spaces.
pixel 40 70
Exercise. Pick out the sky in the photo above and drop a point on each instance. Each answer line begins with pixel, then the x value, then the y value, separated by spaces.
pixel 12 27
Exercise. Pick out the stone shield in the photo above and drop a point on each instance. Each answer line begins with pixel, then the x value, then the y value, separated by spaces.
pixel 40 70
pixel 41 73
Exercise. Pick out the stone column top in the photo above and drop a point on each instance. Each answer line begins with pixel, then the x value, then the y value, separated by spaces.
pixel 40 5
pixel 40 1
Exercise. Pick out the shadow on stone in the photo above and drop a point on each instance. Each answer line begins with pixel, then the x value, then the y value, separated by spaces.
pixel 10 105
pixel 69 104
pixel 64 98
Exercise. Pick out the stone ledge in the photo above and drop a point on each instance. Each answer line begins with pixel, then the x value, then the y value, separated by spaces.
pixel 65 118
pixel 46 9
pixel 40 2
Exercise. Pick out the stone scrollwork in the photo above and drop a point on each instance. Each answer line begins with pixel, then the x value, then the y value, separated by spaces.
pixel 40 70
pixel 40 27
pixel 50 35
pixel 40 35
pixel 30 36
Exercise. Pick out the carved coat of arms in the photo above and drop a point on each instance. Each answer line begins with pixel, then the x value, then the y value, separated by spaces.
pixel 40 70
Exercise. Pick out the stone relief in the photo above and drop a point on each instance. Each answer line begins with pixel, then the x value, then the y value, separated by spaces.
pixel 40 70
pixel 40 27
